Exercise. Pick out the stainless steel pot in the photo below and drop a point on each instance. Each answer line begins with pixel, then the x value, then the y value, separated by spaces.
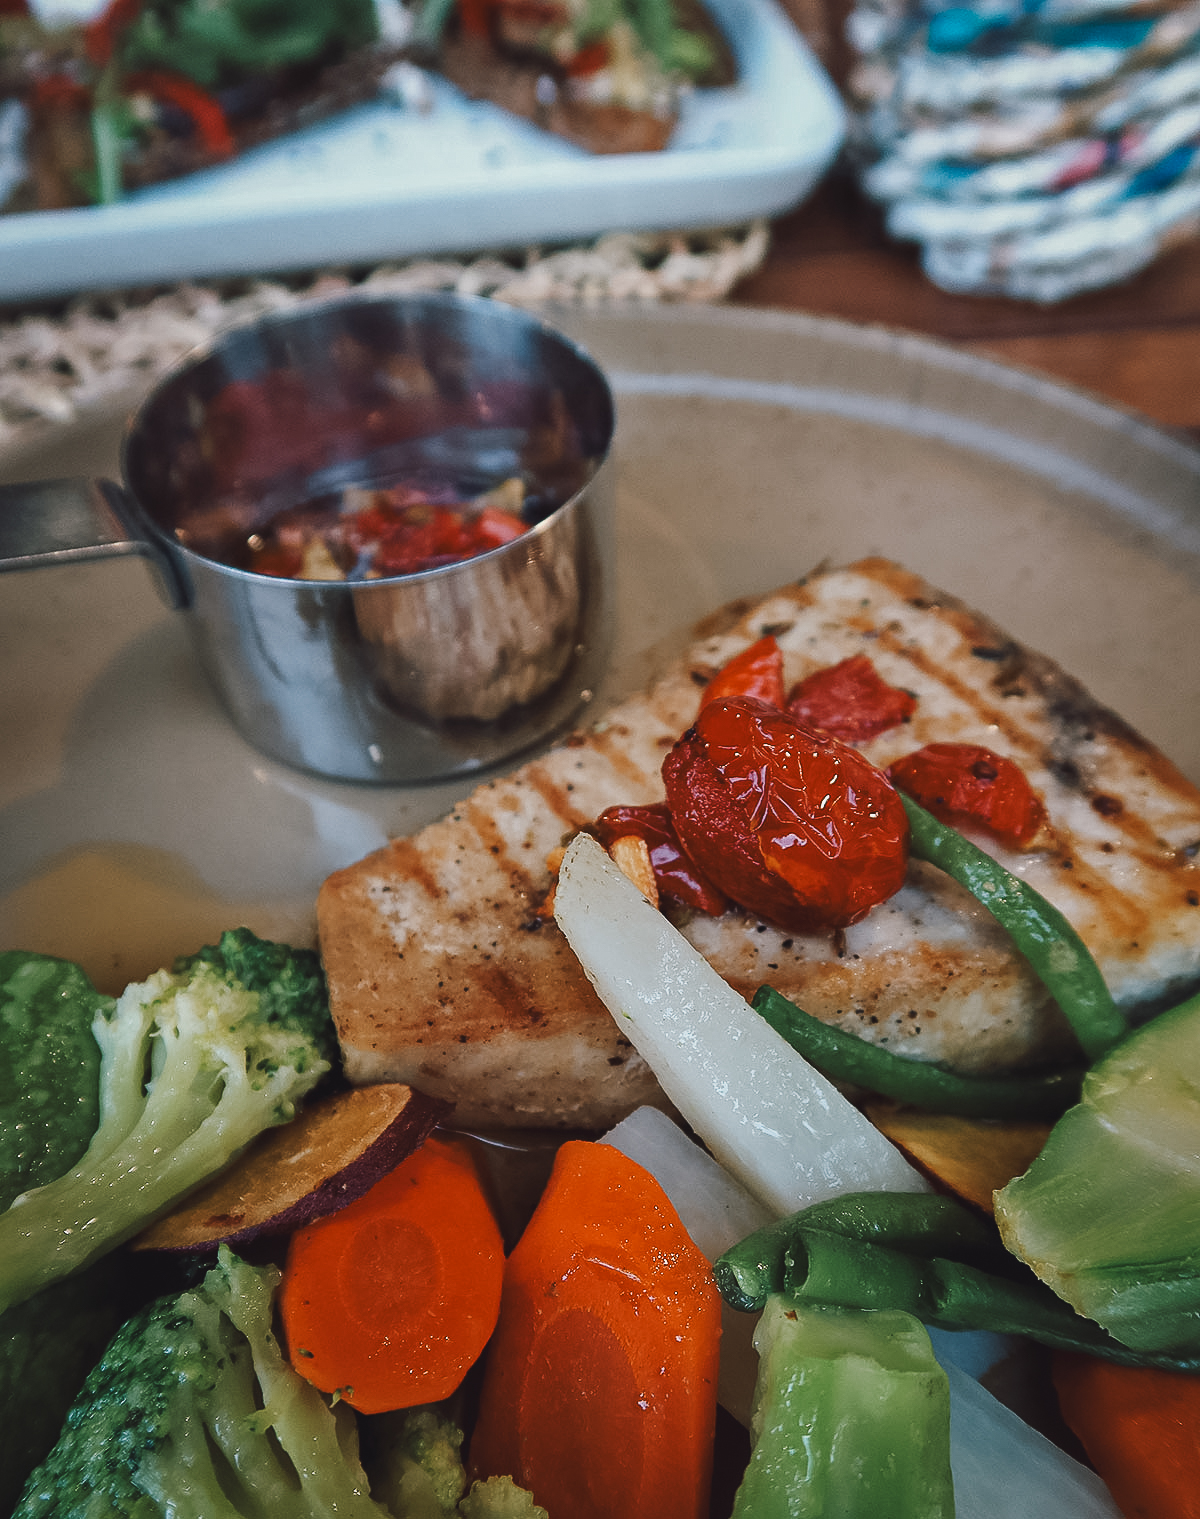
pixel 408 678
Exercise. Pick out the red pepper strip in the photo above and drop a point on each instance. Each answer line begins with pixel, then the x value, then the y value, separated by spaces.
pixel 675 873
pixel 756 671
pixel 968 785
pixel 203 109
pixel 850 700
pixel 100 35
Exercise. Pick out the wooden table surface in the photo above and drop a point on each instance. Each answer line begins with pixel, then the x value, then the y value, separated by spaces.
pixel 1137 344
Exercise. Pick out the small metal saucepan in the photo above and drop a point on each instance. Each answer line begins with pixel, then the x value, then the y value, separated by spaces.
pixel 402 678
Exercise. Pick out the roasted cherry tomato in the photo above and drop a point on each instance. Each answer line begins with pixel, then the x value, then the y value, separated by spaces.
pixel 851 700
pixel 792 824
pixel 756 671
pixel 677 876
pixel 967 785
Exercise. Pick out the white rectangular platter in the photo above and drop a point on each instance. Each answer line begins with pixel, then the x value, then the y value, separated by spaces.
pixel 387 181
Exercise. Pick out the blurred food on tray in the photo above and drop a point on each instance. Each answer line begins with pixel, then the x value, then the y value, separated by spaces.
pixel 1033 148
pixel 97 99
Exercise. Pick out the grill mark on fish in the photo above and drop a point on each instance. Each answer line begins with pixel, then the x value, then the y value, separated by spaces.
pixel 523 875
pixel 408 861
pixel 608 741
pixel 556 797
pixel 925 971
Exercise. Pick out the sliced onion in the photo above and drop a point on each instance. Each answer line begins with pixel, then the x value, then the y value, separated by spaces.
pixel 784 1131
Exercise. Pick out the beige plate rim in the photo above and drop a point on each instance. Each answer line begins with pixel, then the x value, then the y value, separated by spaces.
pixel 751 446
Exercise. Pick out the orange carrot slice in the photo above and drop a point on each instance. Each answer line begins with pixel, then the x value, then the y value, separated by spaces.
pixel 391 1301
pixel 1141 1429
pixel 600 1389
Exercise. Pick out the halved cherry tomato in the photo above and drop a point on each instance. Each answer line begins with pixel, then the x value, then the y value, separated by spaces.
pixel 756 671
pixel 851 700
pixel 968 785
pixel 675 873
pixel 789 822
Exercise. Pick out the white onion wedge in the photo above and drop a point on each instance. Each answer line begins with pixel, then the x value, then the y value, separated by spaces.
pixel 787 1134
pixel 1005 1469
pixel 717 1212
pixel 1002 1467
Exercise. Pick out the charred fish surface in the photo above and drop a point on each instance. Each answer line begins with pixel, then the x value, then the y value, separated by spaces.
pixel 445 973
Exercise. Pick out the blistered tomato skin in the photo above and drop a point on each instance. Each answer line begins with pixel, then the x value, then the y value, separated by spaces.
pixel 792 824
pixel 675 874
pixel 967 785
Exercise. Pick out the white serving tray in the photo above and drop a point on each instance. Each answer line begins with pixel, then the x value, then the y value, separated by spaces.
pixel 387 181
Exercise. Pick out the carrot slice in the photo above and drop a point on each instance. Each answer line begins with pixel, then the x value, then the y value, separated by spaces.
pixel 391 1301
pixel 600 1389
pixel 1141 1429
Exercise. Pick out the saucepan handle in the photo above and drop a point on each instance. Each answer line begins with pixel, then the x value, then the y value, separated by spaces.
pixel 44 522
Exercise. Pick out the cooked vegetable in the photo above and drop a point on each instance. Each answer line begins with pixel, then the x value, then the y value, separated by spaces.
pixel 967 785
pixel 1109 1212
pixel 926 1256
pixel 47 1347
pixel 795 826
pixel 194 1064
pixel 749 1272
pixel 846 1057
pixel 417 1470
pixel 390 1301
pixel 500 1498
pixel 336 1149
pixel 1140 1427
pixel 757 671
pixel 1055 951
pixel 1004 1469
pixel 851 1419
pixel 972 1158
pixel 784 1131
pixel 851 700
pixel 214 43
pixel 49 1069
pixel 600 1389
pixel 192 1411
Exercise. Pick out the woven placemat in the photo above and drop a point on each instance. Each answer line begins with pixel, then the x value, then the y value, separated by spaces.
pixel 55 364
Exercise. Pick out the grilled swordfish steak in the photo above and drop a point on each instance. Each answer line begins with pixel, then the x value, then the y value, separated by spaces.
pixel 443 974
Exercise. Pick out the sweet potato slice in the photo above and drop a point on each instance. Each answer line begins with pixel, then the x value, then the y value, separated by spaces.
pixel 971 1157
pixel 328 1156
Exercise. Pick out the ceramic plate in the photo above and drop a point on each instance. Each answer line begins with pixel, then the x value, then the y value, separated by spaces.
pixel 385 182
pixel 135 824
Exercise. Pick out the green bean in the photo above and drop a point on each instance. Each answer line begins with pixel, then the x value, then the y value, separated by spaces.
pixel 846 1057
pixel 832 1270
pixel 1056 953
pixel 921 1254
pixel 751 1270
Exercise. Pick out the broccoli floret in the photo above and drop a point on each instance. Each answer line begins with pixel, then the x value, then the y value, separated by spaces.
pixel 500 1498
pixel 49 1069
pixel 290 983
pixel 47 1347
pixel 418 1471
pixel 193 1411
pixel 193 1065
